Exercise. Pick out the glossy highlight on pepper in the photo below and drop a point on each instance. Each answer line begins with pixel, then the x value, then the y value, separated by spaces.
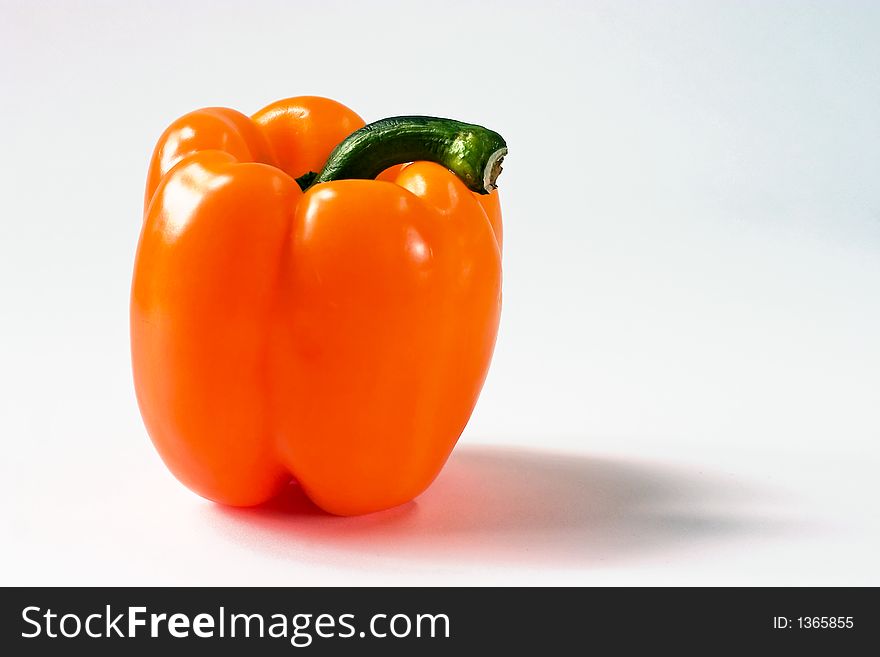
pixel 337 337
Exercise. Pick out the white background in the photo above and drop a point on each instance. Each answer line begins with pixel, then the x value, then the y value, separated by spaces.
pixel 686 388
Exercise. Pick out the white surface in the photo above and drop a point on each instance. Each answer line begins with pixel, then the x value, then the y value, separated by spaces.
pixel 686 388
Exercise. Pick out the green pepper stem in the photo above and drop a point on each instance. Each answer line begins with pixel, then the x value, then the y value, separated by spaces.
pixel 471 152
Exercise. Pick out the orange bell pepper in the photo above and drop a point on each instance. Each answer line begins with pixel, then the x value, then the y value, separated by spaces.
pixel 337 337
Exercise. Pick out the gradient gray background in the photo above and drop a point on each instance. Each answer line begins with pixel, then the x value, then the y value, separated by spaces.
pixel 686 388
